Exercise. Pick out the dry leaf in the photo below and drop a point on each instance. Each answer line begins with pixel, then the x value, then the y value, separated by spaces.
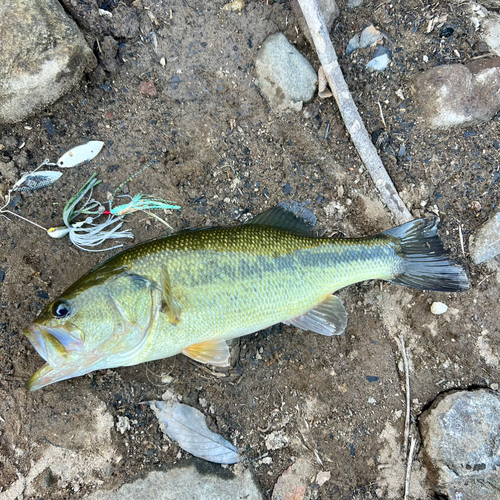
pixel 323 89
pixel 187 427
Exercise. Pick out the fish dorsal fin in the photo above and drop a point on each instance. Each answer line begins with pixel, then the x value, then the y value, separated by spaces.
pixel 289 216
pixel 169 304
pixel 327 318
pixel 213 352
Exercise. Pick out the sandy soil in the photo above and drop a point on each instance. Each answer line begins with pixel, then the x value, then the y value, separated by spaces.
pixel 223 155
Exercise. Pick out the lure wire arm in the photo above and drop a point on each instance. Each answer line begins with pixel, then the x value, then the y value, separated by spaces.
pixel 3 211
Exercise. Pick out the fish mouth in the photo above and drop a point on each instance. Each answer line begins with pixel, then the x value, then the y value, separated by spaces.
pixel 55 346
pixel 42 377
pixel 34 335
pixel 52 342
pixel 48 375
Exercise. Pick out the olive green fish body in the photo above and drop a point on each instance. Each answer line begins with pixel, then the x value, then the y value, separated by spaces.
pixel 191 291
pixel 234 281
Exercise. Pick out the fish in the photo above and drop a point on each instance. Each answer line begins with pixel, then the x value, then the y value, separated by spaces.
pixel 191 291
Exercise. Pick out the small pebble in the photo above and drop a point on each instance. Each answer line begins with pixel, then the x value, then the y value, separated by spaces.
pixel 123 424
pixel 446 32
pixel 438 308
pixel 476 206
pixel 276 440
pixel 234 6
pixel 379 62
pixel 148 88
pixel 323 477
pixel 484 243
pixel 311 110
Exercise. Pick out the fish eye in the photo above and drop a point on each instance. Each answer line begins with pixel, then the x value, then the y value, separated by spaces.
pixel 61 308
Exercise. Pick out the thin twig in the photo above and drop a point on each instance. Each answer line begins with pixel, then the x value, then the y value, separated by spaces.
pixel 461 238
pixel 327 130
pixel 484 279
pixel 489 54
pixel 382 114
pixel 401 345
pixel 207 370
pixel 350 114
pixel 158 218
pixel 408 468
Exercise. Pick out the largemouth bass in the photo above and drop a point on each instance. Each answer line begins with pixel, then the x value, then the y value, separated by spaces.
pixel 192 291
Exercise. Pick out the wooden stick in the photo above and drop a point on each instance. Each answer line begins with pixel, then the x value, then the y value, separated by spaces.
pixel 352 119
pixel 408 468
pixel 401 345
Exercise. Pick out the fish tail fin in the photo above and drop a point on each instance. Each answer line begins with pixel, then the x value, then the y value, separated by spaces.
pixel 425 262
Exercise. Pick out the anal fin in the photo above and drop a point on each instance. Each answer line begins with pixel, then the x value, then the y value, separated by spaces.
pixel 327 318
pixel 213 352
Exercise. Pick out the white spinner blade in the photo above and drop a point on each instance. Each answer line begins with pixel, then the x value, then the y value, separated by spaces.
pixel 80 154
pixel 36 180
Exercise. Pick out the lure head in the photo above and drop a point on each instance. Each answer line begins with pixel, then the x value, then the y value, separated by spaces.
pixel 102 321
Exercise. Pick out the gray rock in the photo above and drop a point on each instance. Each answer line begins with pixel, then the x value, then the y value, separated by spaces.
pixel 491 4
pixel 125 22
pixel 292 484
pixel 284 75
pixel 352 4
pixel 369 36
pixel 328 8
pixel 455 94
pixel 42 56
pixel 461 438
pixel 352 45
pixel 109 50
pixel 90 17
pixel 207 481
pixel 491 32
pixel 381 59
pixel 484 244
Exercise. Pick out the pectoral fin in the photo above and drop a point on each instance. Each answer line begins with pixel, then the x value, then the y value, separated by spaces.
pixel 214 352
pixel 169 304
pixel 327 318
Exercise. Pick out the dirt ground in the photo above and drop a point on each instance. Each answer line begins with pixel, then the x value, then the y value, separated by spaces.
pixel 223 155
